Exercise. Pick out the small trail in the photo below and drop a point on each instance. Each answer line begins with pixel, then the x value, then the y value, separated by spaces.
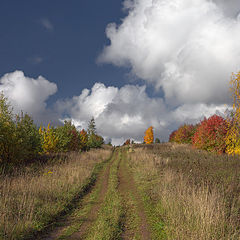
pixel 101 187
pixel 135 225
pixel 92 215
pixel 87 212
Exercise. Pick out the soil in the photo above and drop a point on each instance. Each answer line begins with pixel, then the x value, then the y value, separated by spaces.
pixel 135 221
pixel 92 215
pixel 134 209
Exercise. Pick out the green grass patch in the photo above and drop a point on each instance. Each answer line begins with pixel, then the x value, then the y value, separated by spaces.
pixel 109 222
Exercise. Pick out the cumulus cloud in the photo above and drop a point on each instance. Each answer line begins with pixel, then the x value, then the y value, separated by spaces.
pixel 188 48
pixel 126 112
pixel 120 113
pixel 28 94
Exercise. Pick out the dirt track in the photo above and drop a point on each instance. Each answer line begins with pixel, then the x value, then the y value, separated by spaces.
pixel 134 225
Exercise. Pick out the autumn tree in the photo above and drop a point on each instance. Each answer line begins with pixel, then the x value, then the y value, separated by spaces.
pixel 210 134
pixel 233 134
pixel 149 137
pixel 127 142
pixel 49 139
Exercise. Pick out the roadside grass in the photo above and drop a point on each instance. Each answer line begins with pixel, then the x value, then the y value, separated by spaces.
pixel 80 213
pixel 109 222
pixel 188 194
pixel 32 201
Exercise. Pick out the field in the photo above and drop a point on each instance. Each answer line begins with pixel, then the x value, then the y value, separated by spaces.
pixel 155 191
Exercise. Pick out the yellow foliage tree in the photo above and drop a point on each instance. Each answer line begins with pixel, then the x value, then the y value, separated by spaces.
pixel 233 134
pixel 49 139
pixel 148 138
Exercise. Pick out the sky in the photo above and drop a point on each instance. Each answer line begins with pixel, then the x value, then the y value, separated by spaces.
pixel 130 64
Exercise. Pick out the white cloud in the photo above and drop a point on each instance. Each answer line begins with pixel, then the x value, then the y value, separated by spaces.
pixel 28 94
pixel 189 48
pixel 45 22
pixel 120 113
pixel 127 112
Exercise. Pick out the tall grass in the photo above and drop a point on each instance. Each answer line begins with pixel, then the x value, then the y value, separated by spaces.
pixel 196 194
pixel 30 200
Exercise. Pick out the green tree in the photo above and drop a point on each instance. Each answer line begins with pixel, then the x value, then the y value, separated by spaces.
pixel 28 138
pixel 157 140
pixel 7 132
pixel 92 127
pixel 68 137
pixel 94 140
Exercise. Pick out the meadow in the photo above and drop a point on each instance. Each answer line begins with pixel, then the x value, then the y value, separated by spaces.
pixel 189 193
pixel 33 196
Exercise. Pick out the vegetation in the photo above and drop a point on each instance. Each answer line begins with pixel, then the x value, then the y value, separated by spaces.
pixel 148 138
pixel 35 196
pixel 188 194
pixel 21 141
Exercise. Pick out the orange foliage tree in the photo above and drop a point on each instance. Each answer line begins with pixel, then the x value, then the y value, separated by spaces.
pixel 149 137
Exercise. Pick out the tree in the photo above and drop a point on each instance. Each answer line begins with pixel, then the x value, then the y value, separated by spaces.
pixel 210 134
pixel 92 127
pixel 148 138
pixel 157 140
pixel 68 137
pixel 49 139
pixel 7 132
pixel 233 134
pixel 28 138
pixel 94 140
pixel 83 140
pixel 127 142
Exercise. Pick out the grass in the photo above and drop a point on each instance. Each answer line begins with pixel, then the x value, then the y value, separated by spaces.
pixel 109 222
pixel 30 201
pixel 81 212
pixel 188 194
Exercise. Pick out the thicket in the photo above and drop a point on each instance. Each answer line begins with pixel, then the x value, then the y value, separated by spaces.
pixel 21 140
pixel 215 134
pixel 210 134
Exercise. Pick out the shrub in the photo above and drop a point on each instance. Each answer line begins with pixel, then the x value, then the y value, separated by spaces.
pixel 210 134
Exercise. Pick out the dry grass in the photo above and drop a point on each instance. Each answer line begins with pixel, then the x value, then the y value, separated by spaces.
pixel 195 193
pixel 29 200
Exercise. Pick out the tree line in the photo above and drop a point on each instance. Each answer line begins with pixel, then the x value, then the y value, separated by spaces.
pixel 22 140
pixel 215 134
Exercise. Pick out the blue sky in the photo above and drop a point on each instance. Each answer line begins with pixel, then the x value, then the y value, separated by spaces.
pixel 130 64
pixel 64 52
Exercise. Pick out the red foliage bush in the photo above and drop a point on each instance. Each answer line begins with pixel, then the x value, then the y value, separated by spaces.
pixel 210 134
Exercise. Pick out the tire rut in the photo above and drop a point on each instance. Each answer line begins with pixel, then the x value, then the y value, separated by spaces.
pixel 65 222
pixel 92 215
pixel 135 225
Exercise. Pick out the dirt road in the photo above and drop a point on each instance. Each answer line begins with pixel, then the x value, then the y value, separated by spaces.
pixel 113 209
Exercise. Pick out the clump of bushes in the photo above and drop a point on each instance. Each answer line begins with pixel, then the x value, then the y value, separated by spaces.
pixel 184 134
pixel 21 140
pixel 209 134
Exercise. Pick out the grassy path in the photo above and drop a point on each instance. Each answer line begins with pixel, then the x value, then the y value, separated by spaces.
pixel 113 209
pixel 135 224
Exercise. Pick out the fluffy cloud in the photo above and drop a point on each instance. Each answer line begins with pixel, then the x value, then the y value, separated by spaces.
pixel 29 95
pixel 127 112
pixel 188 48
pixel 120 113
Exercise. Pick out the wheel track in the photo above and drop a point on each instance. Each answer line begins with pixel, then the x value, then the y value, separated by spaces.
pixel 65 222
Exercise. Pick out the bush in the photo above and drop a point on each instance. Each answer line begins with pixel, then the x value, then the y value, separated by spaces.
pixel 210 134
